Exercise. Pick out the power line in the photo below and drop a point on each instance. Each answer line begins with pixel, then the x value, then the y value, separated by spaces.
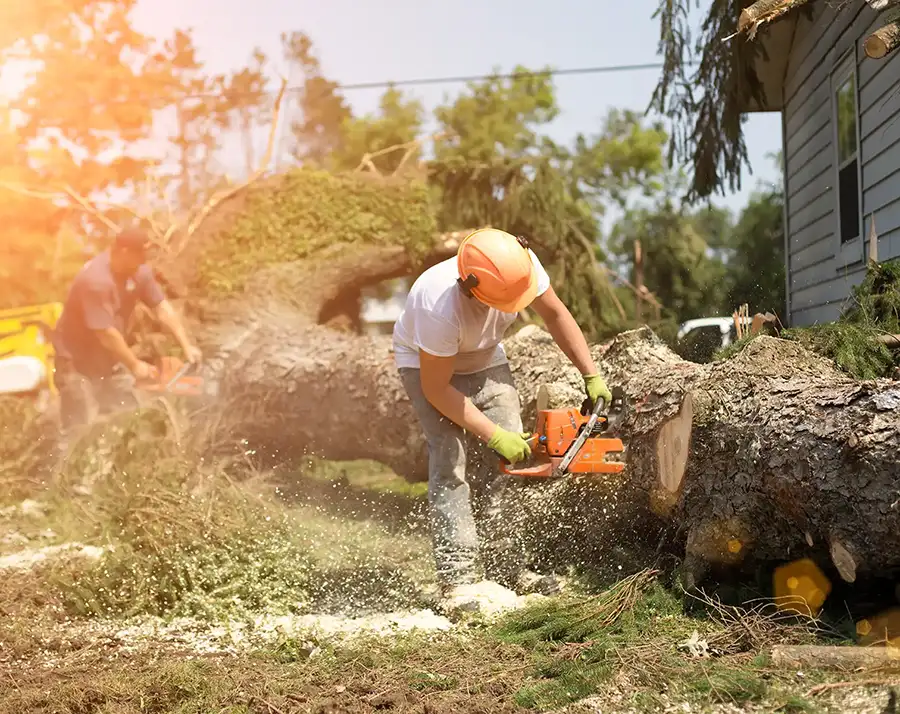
pixel 599 69
pixel 427 81
pixel 167 99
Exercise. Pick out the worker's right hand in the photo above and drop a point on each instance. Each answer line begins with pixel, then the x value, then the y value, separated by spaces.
pixel 511 446
pixel 144 372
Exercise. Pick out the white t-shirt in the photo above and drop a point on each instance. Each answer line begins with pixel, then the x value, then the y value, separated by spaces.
pixel 439 319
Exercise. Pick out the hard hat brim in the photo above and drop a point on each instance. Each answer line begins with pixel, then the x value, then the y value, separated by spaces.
pixel 523 301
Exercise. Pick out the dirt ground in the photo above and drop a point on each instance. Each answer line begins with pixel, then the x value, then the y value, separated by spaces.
pixel 365 636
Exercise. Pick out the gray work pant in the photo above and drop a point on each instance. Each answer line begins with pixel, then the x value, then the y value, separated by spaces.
pixel 465 485
pixel 82 398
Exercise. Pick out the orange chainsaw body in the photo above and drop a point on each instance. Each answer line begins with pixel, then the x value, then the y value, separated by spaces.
pixel 172 379
pixel 555 432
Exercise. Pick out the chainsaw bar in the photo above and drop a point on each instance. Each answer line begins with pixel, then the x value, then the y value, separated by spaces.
pixel 582 437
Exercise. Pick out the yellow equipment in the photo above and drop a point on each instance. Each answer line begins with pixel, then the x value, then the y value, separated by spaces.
pixel 26 349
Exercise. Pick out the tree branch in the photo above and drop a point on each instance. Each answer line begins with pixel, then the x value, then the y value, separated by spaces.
pixel 228 193
pixel 89 208
pixel 408 147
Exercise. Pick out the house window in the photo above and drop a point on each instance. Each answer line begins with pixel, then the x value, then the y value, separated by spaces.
pixel 847 145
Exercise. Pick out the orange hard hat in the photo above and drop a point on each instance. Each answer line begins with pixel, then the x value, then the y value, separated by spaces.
pixel 496 268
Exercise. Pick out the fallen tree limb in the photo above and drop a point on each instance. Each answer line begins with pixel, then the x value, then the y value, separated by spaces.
pixel 224 195
pixel 836 658
pixel 765 11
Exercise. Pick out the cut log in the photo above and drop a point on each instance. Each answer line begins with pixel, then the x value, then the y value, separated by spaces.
pixel 847 659
pixel 885 39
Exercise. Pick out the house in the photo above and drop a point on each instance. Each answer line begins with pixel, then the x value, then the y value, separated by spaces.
pixel 379 312
pixel 841 142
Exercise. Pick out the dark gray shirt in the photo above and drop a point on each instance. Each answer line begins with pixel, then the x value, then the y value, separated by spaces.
pixel 97 301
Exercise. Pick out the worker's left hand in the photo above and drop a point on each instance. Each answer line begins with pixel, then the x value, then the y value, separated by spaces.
pixel 596 389
pixel 193 354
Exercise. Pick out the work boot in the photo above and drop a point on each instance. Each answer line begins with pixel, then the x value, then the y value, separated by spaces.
pixel 485 598
pixel 529 582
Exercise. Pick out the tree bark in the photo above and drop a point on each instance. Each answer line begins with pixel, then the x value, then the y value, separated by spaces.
pixel 885 39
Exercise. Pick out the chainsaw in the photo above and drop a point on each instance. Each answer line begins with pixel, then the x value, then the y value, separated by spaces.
pixel 574 441
pixel 174 378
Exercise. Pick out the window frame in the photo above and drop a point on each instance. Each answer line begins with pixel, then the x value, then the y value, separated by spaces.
pixel 850 252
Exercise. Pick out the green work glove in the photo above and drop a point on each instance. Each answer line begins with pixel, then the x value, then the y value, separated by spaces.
pixel 596 388
pixel 509 445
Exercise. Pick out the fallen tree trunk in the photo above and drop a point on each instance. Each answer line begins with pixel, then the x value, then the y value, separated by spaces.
pixel 771 455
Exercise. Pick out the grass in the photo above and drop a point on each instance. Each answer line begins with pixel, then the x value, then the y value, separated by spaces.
pixel 370 476
pixel 624 645
pixel 26 453
pixel 184 535
pixel 188 534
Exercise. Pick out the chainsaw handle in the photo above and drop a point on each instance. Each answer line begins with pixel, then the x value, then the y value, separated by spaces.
pixel 531 441
pixel 599 406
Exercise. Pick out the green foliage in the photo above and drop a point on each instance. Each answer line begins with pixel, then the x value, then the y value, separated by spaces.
pixel 590 619
pixel 850 345
pixel 88 89
pixel 874 310
pixel 876 301
pixel 497 118
pixel 26 448
pixel 704 85
pixel 180 538
pixel 186 532
pixel 679 268
pixel 399 122
pixel 306 210
pixel 496 167
pixel 324 110
pixel 578 646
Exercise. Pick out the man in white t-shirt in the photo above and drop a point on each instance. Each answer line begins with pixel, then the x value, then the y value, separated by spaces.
pixel 447 347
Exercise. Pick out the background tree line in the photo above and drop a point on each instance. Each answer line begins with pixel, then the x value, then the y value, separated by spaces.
pixel 97 93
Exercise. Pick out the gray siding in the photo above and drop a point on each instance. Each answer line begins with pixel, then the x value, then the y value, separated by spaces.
pixel 821 272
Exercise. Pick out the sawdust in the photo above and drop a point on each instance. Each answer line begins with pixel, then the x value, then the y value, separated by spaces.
pixel 235 636
pixel 29 557
pixel 863 700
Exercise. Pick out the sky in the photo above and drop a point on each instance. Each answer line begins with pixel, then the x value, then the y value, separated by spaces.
pixel 360 41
